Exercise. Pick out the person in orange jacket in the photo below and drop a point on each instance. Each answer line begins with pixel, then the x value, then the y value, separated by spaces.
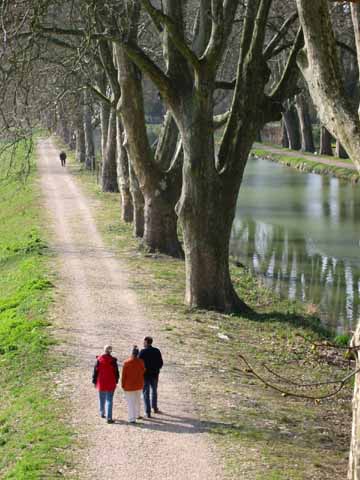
pixel 132 382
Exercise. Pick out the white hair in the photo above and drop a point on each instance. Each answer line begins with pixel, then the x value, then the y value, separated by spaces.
pixel 108 349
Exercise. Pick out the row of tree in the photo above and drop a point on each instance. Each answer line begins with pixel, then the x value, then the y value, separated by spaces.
pixel 78 64
pixel 190 54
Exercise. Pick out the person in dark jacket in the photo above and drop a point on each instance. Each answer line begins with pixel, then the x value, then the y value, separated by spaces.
pixel 153 363
pixel 63 158
pixel 105 379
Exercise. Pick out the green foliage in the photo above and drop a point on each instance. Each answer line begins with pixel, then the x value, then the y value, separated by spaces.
pixel 342 340
pixel 32 438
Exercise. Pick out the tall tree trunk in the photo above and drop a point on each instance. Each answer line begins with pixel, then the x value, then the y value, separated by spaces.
pixel 72 142
pixel 355 16
pixel 285 138
pixel 80 154
pixel 206 211
pixel 160 227
pixel 104 126
pixel 127 213
pixel 307 139
pixel 49 120
pixel 138 203
pixel 109 181
pixel 62 126
pixel 292 128
pixel 325 142
pixel 319 64
pixel 340 150
pixel 104 112
pixel 354 459
pixel 89 134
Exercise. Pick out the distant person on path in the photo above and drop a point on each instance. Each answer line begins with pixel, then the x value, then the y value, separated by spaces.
pixel 105 379
pixel 63 158
pixel 132 382
pixel 153 363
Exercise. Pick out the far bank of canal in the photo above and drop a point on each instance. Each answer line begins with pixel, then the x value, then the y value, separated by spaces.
pixel 301 233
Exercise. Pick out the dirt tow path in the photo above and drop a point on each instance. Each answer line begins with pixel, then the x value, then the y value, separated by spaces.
pixel 298 154
pixel 95 307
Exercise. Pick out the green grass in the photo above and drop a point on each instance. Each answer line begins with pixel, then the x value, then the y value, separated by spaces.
pixel 309 165
pixel 33 437
pixel 261 434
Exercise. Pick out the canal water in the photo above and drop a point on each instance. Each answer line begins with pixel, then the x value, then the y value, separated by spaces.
pixel 301 233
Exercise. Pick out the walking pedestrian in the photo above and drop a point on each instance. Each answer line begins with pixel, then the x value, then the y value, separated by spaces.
pixel 63 158
pixel 132 382
pixel 105 379
pixel 153 363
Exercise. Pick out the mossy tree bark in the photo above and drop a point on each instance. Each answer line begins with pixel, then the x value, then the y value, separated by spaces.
pixel 109 178
pixel 158 186
pixel 80 145
pixel 80 135
pixel 354 458
pixel 89 133
pixel 137 200
pixel 284 137
pixel 325 142
pixel 117 172
pixel 340 150
pixel 109 182
pixel 105 107
pixel 307 139
pixel 62 124
pixel 320 66
pixel 126 205
pixel 291 121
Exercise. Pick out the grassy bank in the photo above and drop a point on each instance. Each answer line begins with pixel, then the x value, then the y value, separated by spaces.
pixel 309 165
pixel 262 434
pixel 32 436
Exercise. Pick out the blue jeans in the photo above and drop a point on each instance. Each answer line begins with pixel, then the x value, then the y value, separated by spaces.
pixel 150 383
pixel 106 400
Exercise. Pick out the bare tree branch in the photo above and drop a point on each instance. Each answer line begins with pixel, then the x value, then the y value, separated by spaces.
pixel 159 18
pixel 274 42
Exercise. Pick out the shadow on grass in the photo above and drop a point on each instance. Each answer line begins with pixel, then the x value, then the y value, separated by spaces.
pixel 260 433
pixel 182 424
pixel 294 319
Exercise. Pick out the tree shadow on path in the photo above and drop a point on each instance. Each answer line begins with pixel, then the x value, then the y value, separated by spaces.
pixel 175 424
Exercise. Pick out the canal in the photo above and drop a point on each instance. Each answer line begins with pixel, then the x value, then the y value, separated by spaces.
pixel 300 232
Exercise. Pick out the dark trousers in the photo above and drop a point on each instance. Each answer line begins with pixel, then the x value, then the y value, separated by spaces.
pixel 150 383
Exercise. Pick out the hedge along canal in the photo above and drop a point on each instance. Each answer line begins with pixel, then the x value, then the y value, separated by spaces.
pixel 310 163
pixel 34 440
pixel 300 232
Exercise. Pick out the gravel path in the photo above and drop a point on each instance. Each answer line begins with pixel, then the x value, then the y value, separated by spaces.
pixel 95 307
pixel 314 158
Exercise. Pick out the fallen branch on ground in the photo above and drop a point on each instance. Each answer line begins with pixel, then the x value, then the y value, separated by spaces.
pixel 341 384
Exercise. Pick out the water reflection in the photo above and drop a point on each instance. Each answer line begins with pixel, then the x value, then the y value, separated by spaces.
pixel 301 233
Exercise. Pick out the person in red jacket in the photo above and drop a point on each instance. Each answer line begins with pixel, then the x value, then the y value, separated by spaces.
pixel 132 382
pixel 105 379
